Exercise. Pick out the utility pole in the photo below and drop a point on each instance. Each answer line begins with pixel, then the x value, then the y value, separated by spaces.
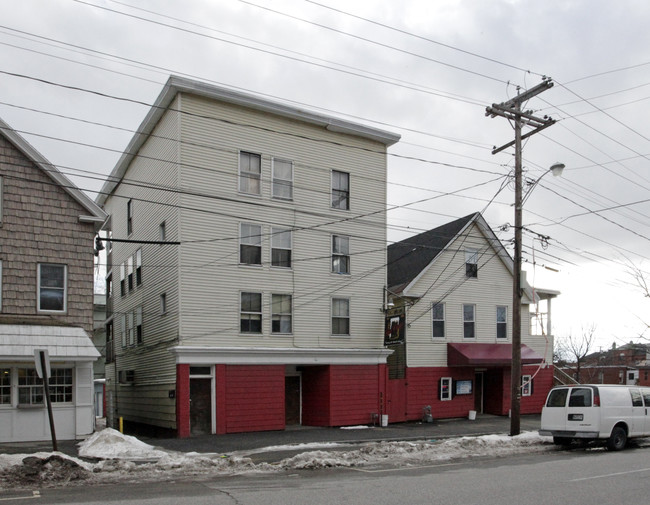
pixel 511 110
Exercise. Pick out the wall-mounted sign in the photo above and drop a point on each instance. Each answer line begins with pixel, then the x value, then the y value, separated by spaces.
pixel 464 387
pixel 395 329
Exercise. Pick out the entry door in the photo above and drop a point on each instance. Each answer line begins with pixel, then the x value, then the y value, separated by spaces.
pixel 478 392
pixel 396 400
pixel 200 406
pixel 292 399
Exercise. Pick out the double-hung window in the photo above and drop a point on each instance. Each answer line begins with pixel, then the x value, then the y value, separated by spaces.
pixel 281 314
pixel 131 328
pixel 502 321
pixel 250 173
pixel 138 267
pixel 138 324
pixel 471 263
pixel 0 199
pixel 282 179
pixel 469 321
pixel 129 217
pixel 340 254
pixel 281 247
pixel 340 190
pixel 30 387
pixel 250 313
pixel 0 285
pixel 250 244
pixel 5 386
pixel 438 319
pixel 129 266
pixel 60 385
pixel 123 330
pixel 340 316
pixel 122 279
pixel 52 292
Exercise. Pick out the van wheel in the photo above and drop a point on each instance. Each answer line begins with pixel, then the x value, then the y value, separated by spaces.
pixel 617 440
pixel 562 441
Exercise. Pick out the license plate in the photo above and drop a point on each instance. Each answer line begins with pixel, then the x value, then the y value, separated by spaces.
pixel 576 417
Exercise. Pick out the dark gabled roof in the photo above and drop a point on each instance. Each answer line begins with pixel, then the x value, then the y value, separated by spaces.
pixel 407 258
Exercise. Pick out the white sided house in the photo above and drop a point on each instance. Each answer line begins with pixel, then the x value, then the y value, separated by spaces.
pixel 248 266
pixel 449 322
pixel 47 227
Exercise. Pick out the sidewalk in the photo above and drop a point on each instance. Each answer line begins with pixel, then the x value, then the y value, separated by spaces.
pixel 250 442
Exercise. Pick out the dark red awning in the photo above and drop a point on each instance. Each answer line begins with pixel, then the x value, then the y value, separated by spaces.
pixel 472 354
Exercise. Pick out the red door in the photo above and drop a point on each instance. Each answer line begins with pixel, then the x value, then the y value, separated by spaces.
pixel 396 400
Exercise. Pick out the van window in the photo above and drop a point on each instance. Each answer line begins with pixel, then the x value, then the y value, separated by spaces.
pixel 637 401
pixel 646 396
pixel 557 398
pixel 580 397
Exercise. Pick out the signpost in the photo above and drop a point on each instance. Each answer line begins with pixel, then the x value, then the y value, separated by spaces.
pixel 42 363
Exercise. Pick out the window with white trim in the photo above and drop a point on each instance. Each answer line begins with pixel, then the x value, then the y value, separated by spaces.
pixel 340 190
pixel 250 244
pixel 502 321
pixel 471 263
pixel 109 284
pixel 123 329
pixel 469 321
pixel 138 324
pixel 0 285
pixel 138 267
pixel 5 386
pixel 340 254
pixel 281 317
pixel 162 231
pixel 281 247
pixel 340 316
pixel 250 173
pixel 52 287
pixel 282 178
pixel 1 198
pixel 130 328
pixel 129 268
pixel 163 303
pixel 438 319
pixel 60 385
pixel 250 312
pixel 526 385
pixel 30 387
pixel 122 279
pixel 129 217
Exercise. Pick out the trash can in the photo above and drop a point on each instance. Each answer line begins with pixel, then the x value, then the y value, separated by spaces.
pixel 384 420
pixel 472 415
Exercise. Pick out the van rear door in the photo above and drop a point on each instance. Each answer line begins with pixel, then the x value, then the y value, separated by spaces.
pixel 554 412
pixel 646 399
pixel 582 415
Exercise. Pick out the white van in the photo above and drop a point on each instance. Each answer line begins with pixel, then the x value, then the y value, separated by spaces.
pixel 590 411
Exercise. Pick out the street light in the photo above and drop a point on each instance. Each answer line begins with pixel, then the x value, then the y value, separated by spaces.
pixel 515 385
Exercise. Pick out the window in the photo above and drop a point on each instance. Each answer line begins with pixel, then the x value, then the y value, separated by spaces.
pixel 282 179
pixel 123 329
pixel 130 328
pixel 109 242
pixel 5 386
pixel 637 399
pixel 340 316
pixel 109 285
pixel 557 398
pixel 471 263
pixel 438 317
pixel 0 199
pixel 51 287
pixel 163 303
pixel 281 248
pixel 138 325
pixel 468 321
pixel 502 321
pixel 340 190
pixel 162 231
pixel 250 171
pixel 61 385
pixel 281 314
pixel 250 244
pixel 251 313
pixel 110 349
pixel 129 268
pixel 580 397
pixel 340 254
pixel 138 267
pixel 30 387
pixel 526 385
pixel 129 217
pixel 122 281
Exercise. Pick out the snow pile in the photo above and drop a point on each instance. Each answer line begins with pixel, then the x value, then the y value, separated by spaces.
pixel 110 443
pixel 123 458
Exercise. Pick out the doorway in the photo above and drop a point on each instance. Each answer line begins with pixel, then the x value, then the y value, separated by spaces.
pixel 292 399
pixel 478 392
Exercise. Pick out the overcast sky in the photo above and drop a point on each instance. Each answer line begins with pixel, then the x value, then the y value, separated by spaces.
pixel 77 78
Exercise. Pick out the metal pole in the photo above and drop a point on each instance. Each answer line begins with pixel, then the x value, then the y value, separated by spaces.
pixel 46 392
pixel 515 374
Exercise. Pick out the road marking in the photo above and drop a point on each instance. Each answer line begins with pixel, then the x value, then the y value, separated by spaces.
pixel 611 475
pixel 401 469
pixel 35 494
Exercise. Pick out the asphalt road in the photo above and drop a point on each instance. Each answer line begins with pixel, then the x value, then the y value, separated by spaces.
pixel 575 477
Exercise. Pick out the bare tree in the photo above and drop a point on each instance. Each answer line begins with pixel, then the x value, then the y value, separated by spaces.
pixel 641 280
pixel 574 349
